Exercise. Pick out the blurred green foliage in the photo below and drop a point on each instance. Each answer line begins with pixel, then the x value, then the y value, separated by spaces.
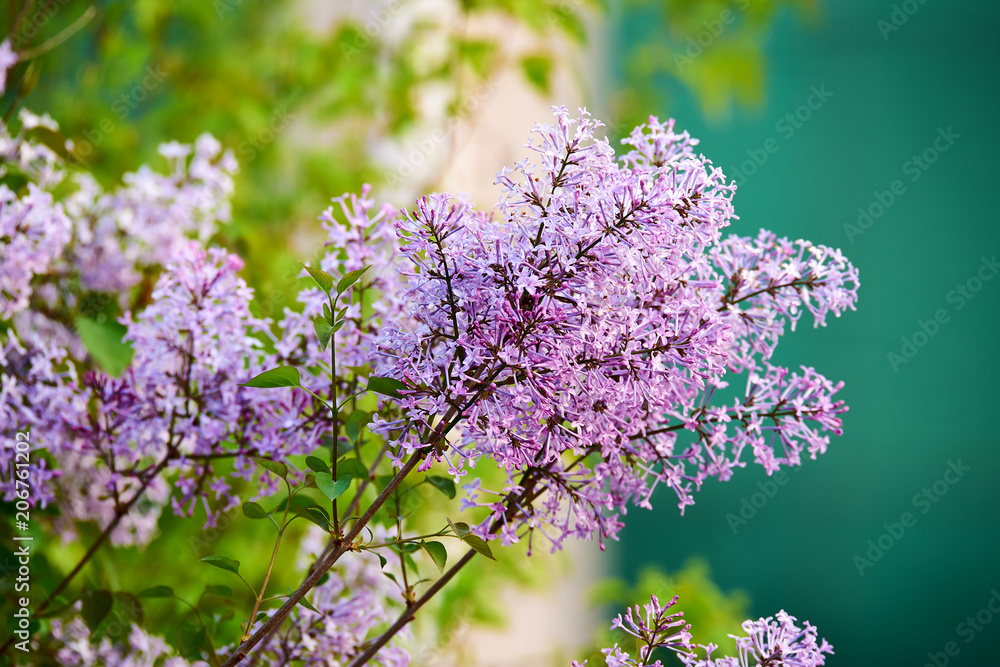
pixel 713 48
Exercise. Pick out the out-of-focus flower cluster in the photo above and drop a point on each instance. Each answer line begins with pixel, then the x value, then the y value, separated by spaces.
pixel 356 599
pixel 775 641
pixel 574 335
pixel 139 650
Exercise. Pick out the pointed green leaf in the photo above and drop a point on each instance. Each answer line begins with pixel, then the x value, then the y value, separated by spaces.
pixel 381 559
pixel 355 423
pixel 443 484
pixel 331 489
pixel 386 386
pixel 323 279
pixel 104 343
pixel 338 325
pixel 323 332
pixel 350 278
pixel 252 510
pixel 219 590
pixel 461 529
pixel 223 563
pixel 479 545
pixel 189 641
pixel 278 468
pixel 96 605
pixel 313 514
pixel 157 592
pixel 283 376
pixel 437 552
pixel 352 467
pixel 327 315
pixel 308 605
pixel 317 464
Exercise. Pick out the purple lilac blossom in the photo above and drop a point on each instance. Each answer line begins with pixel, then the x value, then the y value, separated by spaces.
pixel 8 58
pixel 34 232
pixel 582 328
pixel 139 650
pixel 775 641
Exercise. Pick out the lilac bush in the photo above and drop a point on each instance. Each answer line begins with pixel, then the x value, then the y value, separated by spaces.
pixel 556 360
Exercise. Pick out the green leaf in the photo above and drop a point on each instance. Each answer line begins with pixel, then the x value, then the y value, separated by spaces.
pixel 409 547
pixel 223 563
pixel 381 559
pixel 252 510
pixel 317 464
pixel 283 376
pixel 327 315
pixel 479 545
pixel 352 467
pixel 323 332
pixel 338 325
pixel 96 605
pixel 189 641
pixel 355 423
pixel 308 605
pixel 103 341
pixel 219 590
pixel 331 489
pixel 537 70
pixel 278 468
pixel 437 552
pixel 322 278
pixel 315 514
pixel 443 484
pixel 461 529
pixel 386 386
pixel 349 279
pixel 157 592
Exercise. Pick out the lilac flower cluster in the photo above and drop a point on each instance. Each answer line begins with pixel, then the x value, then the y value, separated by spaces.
pixel 768 642
pixel 35 230
pixel 659 629
pixel 179 405
pixel 580 329
pixel 148 221
pixel 140 650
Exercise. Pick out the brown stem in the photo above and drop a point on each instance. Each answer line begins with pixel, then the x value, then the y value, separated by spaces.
pixel 342 546
pixel 407 615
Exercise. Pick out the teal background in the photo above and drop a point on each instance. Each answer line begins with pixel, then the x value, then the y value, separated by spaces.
pixel 890 97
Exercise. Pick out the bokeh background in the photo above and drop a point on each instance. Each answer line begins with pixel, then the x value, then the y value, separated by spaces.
pixel 864 124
